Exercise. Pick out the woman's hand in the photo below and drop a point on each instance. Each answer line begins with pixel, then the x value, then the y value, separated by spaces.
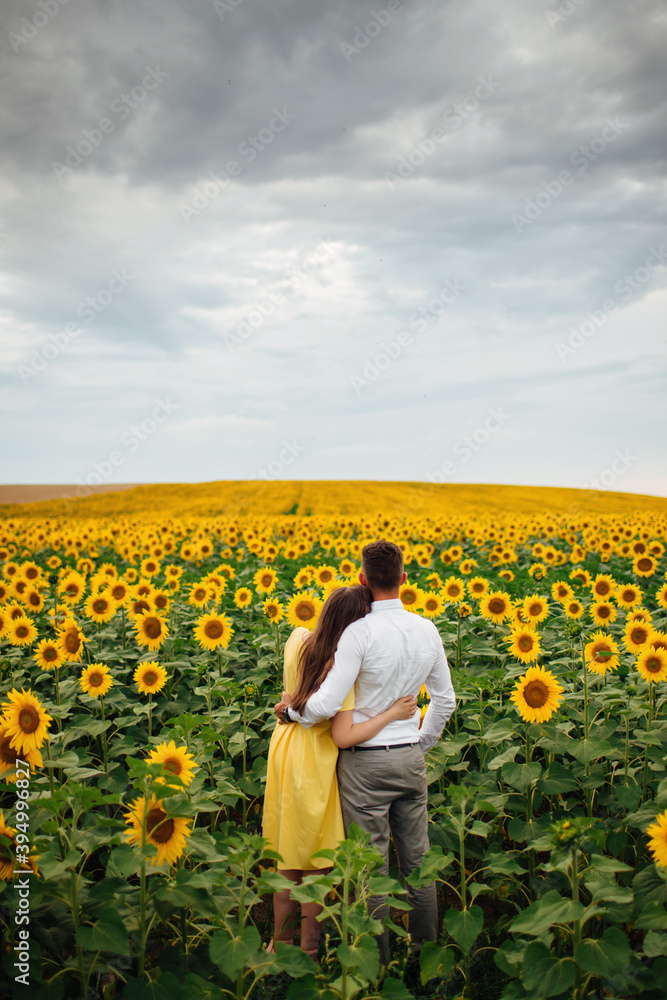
pixel 404 708
pixel 280 707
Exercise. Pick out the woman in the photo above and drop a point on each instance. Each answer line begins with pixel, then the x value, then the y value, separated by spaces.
pixel 302 813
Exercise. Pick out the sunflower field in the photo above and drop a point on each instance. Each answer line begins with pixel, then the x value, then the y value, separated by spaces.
pixel 141 640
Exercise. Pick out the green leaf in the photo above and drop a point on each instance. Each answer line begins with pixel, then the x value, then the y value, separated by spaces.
pixel 434 861
pixel 556 780
pixel 464 926
pixel 544 913
pixel 503 758
pixel 107 934
pixel 307 989
pixel 123 860
pixel 603 956
pixel 362 956
pixel 655 944
pixel 521 776
pixel 542 972
pixel 293 961
pixel 166 988
pixel 394 989
pixel 435 961
pixel 652 918
pixel 231 954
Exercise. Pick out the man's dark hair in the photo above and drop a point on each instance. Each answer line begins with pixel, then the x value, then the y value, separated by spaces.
pixel 382 565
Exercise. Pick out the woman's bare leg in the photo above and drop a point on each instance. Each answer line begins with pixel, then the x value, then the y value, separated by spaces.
pixel 310 926
pixel 285 910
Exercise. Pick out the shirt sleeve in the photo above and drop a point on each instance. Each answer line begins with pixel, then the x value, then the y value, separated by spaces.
pixel 443 700
pixel 329 697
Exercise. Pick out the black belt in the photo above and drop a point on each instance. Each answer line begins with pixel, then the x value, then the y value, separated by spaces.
pixel 391 746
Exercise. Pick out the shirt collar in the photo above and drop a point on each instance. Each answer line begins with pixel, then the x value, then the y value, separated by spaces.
pixel 390 605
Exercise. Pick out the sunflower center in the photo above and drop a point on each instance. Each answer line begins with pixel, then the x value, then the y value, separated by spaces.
pixel 22 631
pixel 604 611
pixel 535 609
pixel 601 654
pixel 453 591
pixel 602 589
pixel 50 653
pixel 159 827
pixel 72 642
pixel 173 765
pixel 213 630
pixel 304 611
pixel 99 606
pixel 638 636
pixel 409 597
pixel 525 643
pixel 29 719
pixel 150 678
pixel 496 606
pixel 431 605
pixel 152 628
pixel 34 599
pixel 653 664
pixel 7 753
pixel 141 606
pixel 644 564
pixel 95 679
pixel 536 693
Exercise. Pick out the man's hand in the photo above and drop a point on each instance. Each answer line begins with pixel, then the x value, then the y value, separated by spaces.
pixel 286 699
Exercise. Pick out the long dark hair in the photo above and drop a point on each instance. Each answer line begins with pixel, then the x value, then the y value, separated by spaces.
pixel 315 659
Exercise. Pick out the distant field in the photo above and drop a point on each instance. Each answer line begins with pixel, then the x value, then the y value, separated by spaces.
pixel 240 498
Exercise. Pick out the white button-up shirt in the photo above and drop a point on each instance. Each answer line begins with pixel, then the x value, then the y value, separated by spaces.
pixel 387 655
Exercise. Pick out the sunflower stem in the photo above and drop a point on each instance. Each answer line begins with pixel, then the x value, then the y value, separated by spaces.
pixel 59 721
pixel 150 714
pixel 142 879
pixel 104 737
pixel 583 660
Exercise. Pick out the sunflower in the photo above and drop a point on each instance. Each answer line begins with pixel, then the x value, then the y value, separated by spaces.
pixel 99 608
pixel 200 595
pixel 71 587
pixel 432 603
pixel 273 610
pixel 33 600
pixel 601 653
pixel 573 608
pixel 410 596
pixel 9 855
pixel 96 680
pixel 71 640
pixel 26 722
pixel 524 644
pixel 243 597
pixel 453 590
pixel 637 636
pixel 433 580
pixel 657 845
pixel 176 760
pixel 602 612
pixel 346 567
pixel 303 609
pixel 463 609
pixel 652 664
pixel 661 596
pixel 213 631
pixel 9 755
pixel 150 677
pixel 505 574
pixel 478 586
pixel 644 566
pixel 119 591
pixel 150 567
pixel 628 596
pixel 151 630
pixel 535 608
pixel 265 580
pixel 303 577
pixel 537 695
pixel 581 576
pixel 496 605
pixel 467 566
pixel 167 833
pixel 537 571
pixel 21 632
pixel 47 655
pixel 325 574
pixel 561 591
pixel 638 615
pixel 603 586
pixel 139 606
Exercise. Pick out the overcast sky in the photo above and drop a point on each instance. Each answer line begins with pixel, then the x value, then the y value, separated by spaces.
pixel 414 240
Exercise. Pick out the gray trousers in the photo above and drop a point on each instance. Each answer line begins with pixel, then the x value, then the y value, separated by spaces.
pixel 383 792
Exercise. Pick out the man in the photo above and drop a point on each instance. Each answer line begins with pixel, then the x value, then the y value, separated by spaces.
pixel 388 655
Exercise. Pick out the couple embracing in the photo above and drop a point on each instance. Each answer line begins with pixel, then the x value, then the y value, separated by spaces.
pixel 353 684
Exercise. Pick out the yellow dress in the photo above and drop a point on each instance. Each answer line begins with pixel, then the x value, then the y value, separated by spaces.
pixel 302 811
